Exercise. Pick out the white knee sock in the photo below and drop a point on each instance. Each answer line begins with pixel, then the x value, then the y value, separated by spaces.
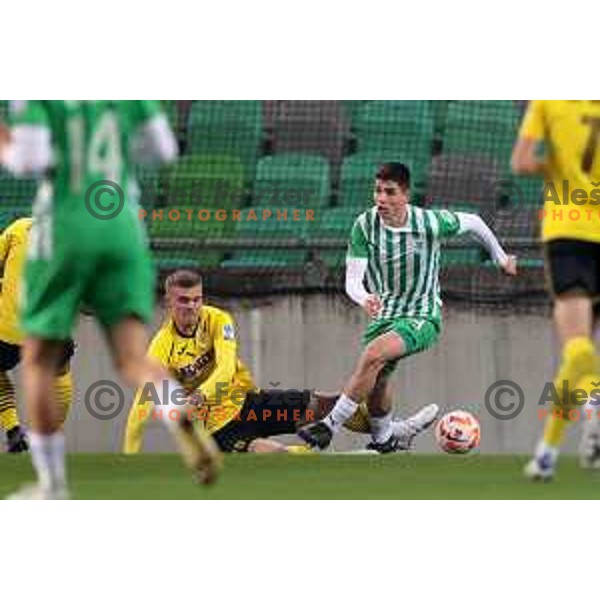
pixel 48 457
pixel 344 408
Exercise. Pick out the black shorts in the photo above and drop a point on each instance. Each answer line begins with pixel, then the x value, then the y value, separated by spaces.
pixel 264 414
pixel 573 266
pixel 10 355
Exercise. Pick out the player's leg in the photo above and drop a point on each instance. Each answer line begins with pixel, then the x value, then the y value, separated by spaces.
pixel 386 343
pixel 589 445
pixel 53 283
pixel 405 430
pixel 41 360
pixel 574 280
pixel 381 350
pixel 10 356
pixel 266 414
pixel 389 434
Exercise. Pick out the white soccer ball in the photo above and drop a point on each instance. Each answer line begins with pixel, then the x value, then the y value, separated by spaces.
pixel 458 432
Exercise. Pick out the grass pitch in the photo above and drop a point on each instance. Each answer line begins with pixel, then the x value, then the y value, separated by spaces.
pixel 324 476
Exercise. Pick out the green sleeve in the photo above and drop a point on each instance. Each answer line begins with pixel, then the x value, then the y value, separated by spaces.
pixel 28 112
pixel 448 223
pixel 358 247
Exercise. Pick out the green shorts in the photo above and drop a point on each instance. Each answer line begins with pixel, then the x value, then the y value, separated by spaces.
pixel 109 270
pixel 417 333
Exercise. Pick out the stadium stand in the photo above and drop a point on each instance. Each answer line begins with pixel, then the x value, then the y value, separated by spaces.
pixel 321 155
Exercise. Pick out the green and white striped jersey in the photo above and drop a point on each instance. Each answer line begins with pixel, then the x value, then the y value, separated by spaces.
pixel 404 262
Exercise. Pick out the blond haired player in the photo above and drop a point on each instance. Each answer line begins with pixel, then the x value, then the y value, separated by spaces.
pixel 13 248
pixel 560 139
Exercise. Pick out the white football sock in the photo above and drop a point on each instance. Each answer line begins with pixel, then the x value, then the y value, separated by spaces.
pixel 344 408
pixel 48 457
pixel 543 448
pixel 381 428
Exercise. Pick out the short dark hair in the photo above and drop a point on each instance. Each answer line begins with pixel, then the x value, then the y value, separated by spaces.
pixel 395 171
pixel 184 278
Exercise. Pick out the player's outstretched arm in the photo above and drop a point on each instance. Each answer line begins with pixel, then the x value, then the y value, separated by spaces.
pixel 473 224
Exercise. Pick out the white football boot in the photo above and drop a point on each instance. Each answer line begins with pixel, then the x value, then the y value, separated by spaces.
pixel 542 466
pixel 34 491
pixel 589 446
pixel 406 430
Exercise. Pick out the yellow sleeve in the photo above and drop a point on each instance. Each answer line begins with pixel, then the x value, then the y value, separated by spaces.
pixel 534 121
pixel 225 346
pixel 4 244
pixel 142 407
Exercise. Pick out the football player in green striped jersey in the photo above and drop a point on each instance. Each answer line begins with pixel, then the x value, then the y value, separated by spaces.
pixel 395 248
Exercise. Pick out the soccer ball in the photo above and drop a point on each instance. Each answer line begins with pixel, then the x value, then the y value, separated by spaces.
pixel 458 432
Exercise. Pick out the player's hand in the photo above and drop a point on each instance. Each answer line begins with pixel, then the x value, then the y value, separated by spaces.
pixel 509 265
pixel 372 305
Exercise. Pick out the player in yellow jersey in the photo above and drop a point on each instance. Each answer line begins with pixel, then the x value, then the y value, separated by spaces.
pixel 13 248
pixel 560 140
pixel 198 345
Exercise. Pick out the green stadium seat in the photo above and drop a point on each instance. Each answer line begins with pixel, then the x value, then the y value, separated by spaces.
pixel 402 128
pixel 16 191
pixel 353 109
pixel 169 229
pixel 335 222
pixel 205 180
pixel 266 230
pixel 231 127
pixel 292 179
pixel 486 127
pixel 358 177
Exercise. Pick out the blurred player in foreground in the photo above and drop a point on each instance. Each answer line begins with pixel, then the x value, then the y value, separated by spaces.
pixel 198 345
pixel 559 139
pixel 87 246
pixel 13 246
pixel 397 247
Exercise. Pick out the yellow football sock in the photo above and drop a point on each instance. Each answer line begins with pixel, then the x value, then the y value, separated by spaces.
pixel 579 358
pixel 8 406
pixel 63 385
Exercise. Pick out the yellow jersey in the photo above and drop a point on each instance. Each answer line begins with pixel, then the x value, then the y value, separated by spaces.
pixel 206 361
pixel 13 251
pixel 570 133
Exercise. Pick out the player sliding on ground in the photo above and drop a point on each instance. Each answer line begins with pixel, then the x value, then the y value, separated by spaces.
pixel 198 344
pixel 559 139
pixel 397 247
pixel 87 246
pixel 13 246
